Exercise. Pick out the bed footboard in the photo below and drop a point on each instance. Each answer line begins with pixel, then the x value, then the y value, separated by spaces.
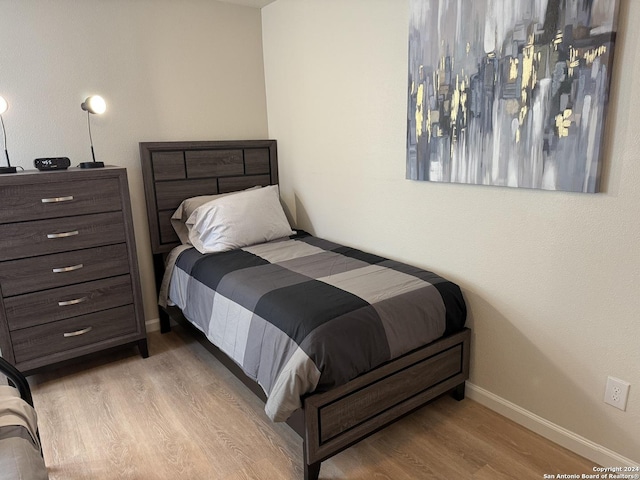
pixel 347 414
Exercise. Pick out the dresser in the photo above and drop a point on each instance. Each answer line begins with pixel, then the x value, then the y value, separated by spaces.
pixel 69 280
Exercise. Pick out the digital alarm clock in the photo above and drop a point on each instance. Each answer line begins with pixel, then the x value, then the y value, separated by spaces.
pixel 53 163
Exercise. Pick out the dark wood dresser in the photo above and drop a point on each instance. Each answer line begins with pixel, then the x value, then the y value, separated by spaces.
pixel 69 278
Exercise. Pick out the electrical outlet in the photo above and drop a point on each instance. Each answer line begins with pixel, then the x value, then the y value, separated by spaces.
pixel 617 392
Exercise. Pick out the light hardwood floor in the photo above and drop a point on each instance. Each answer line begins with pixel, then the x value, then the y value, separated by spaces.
pixel 180 415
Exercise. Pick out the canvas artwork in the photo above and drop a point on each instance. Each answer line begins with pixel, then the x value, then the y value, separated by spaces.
pixel 509 92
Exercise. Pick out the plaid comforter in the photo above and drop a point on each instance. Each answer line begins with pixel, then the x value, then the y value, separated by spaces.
pixel 304 314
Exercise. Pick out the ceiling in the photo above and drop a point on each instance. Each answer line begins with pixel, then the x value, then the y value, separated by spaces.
pixel 250 3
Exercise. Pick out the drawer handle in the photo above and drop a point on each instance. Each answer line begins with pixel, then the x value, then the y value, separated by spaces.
pixel 75 301
pixel 77 332
pixel 57 199
pixel 62 235
pixel 68 269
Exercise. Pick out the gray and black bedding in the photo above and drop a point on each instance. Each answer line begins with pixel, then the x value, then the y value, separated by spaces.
pixel 302 314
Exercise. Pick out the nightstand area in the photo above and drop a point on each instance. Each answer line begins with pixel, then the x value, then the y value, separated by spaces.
pixel 69 279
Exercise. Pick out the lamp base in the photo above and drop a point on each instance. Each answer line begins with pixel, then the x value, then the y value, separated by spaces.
pixel 92 165
pixel 8 170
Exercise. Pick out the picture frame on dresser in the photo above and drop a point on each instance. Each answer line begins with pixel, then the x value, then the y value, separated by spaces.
pixel 69 276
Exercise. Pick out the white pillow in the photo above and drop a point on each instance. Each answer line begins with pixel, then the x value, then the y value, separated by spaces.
pixel 235 221
pixel 187 207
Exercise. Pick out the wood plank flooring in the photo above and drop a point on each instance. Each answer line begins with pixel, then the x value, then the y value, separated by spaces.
pixel 179 414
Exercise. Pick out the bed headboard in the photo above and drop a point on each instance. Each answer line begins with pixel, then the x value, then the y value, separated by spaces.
pixel 174 171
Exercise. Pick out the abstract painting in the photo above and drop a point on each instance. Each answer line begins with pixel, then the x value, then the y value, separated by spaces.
pixel 509 92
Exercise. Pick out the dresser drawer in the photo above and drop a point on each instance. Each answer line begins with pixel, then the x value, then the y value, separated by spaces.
pixel 41 237
pixel 60 269
pixel 65 335
pixel 58 199
pixel 32 309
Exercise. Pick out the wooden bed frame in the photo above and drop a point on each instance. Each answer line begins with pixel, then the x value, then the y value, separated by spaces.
pixel 330 421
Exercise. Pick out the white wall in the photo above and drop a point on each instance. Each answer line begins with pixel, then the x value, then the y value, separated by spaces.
pixel 552 279
pixel 188 70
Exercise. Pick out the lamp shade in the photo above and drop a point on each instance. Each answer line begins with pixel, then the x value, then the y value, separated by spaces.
pixel 94 104
pixel 4 106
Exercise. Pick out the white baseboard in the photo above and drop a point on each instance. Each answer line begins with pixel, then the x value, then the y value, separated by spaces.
pixel 152 325
pixel 557 434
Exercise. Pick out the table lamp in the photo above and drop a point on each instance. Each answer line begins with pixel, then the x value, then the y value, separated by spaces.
pixel 4 106
pixel 93 104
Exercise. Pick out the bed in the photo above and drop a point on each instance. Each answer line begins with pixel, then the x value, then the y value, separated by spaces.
pixel 337 401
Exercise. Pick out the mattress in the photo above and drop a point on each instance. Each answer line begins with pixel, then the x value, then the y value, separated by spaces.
pixel 304 314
